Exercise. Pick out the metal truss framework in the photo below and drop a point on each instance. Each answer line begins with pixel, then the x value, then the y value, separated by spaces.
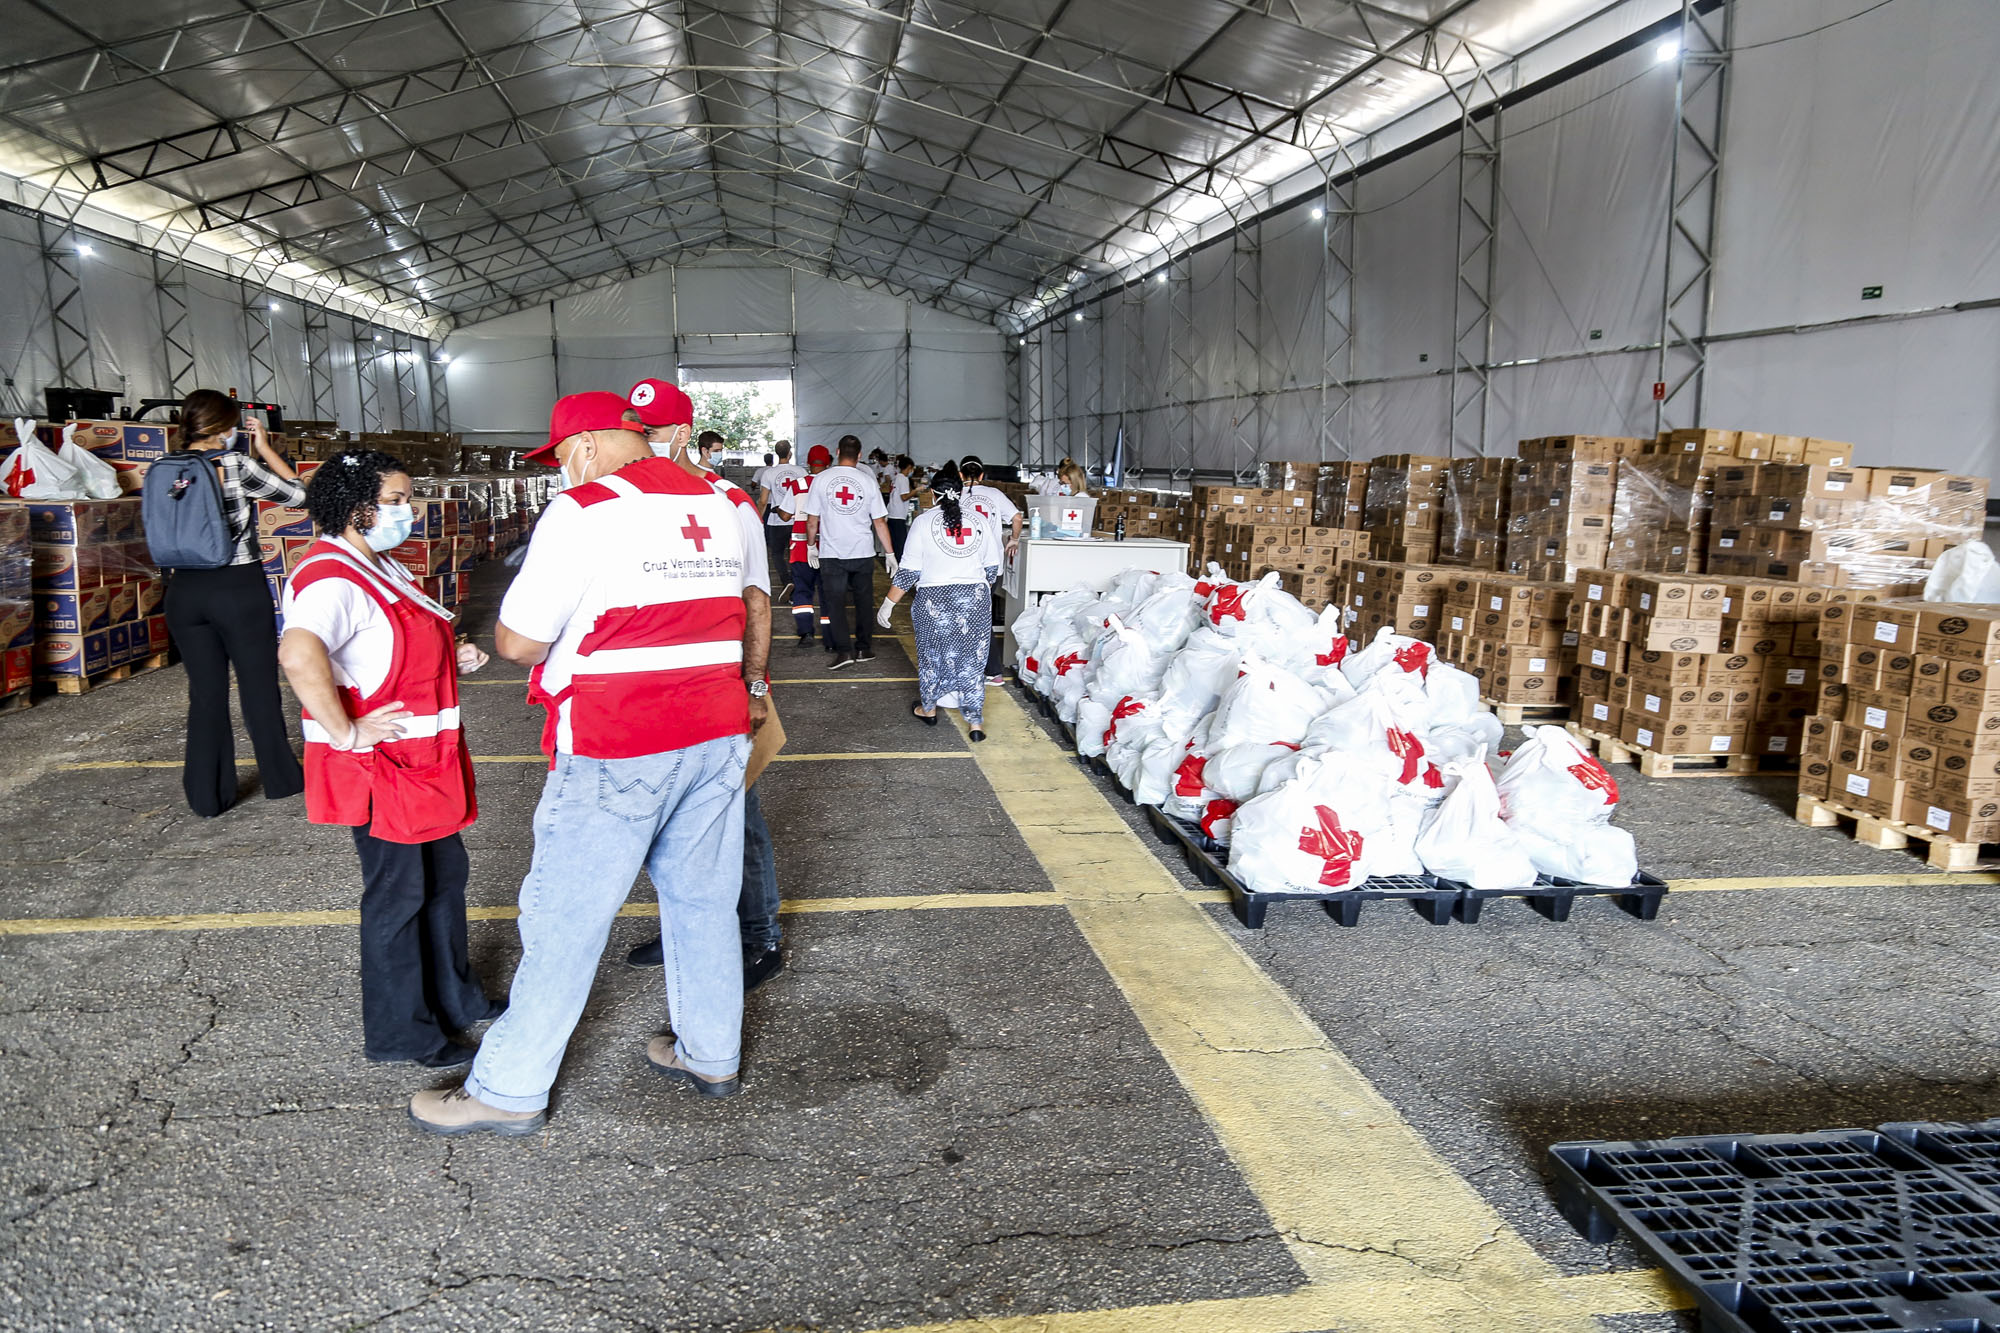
pixel 1131 363
pixel 69 326
pixel 1011 360
pixel 259 345
pixel 176 337
pixel 1701 106
pixel 367 352
pixel 440 389
pixel 1034 426
pixel 403 364
pixel 1477 253
pixel 1246 374
pixel 1336 390
pixel 1181 341
pixel 318 352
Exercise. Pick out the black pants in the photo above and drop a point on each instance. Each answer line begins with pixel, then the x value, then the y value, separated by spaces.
pixel 416 978
pixel 843 582
pixel 219 617
pixel 778 549
pixel 899 531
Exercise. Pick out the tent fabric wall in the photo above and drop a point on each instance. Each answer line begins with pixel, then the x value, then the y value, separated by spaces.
pixel 903 377
pixel 1858 152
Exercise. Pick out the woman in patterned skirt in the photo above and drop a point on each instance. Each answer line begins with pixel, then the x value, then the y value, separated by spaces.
pixel 950 557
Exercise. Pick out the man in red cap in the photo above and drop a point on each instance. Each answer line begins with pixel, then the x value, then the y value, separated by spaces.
pixel 630 607
pixel 804 558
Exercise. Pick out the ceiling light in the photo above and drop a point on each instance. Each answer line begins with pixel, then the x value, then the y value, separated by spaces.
pixel 1023 342
pixel 444 358
pixel 274 305
pixel 1161 276
pixel 83 249
pixel 1079 317
pixel 1318 213
pixel 1667 50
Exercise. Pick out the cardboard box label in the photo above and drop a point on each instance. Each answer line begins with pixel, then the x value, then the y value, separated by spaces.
pixel 1598 657
pixel 1857 785
pixel 1718 744
pixel 1936 818
pixel 1885 631
pixel 1600 712
pixel 1875 719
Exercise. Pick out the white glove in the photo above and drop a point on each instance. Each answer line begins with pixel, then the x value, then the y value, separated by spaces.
pixel 887 612
pixel 812 556
pixel 890 557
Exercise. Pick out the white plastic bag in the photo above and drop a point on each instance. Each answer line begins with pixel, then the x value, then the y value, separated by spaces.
pixel 1601 854
pixel 1965 573
pixel 1027 629
pixel 1236 771
pixel 1153 777
pixel 1266 703
pixel 1558 800
pixel 1463 837
pixel 1317 833
pixel 100 479
pixel 36 472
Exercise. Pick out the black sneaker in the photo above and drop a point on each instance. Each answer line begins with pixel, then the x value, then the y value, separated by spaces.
pixel 653 953
pixel 864 654
pixel 841 660
pixel 761 966
pixel 805 640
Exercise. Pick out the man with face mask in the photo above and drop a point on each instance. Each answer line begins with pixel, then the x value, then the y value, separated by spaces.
pixel 630 607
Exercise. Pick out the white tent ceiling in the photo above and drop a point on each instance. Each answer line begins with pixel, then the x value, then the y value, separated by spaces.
pixel 458 159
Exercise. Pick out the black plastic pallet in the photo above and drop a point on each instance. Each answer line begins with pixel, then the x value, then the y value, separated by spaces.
pixel 1844 1231
pixel 1554 897
pixel 1969 1152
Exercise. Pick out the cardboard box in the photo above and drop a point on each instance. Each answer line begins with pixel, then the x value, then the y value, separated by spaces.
pixel 72 654
pixel 1959 818
pixel 1684 737
pixel 80 612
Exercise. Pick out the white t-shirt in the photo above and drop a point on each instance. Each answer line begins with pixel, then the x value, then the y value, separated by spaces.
pixel 899 496
pixel 847 501
pixel 938 555
pixel 994 504
pixel 773 479
pixel 756 556
pixel 360 641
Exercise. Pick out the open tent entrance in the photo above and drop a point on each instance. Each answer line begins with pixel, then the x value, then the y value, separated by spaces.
pixel 751 406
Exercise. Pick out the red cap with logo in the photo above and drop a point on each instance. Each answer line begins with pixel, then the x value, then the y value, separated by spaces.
pixel 661 404
pixel 819 456
pixel 580 412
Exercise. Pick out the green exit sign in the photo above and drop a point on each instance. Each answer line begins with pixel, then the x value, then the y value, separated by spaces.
pixel 1871 293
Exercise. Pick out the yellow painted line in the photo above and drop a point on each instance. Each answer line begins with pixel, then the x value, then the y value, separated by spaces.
pixel 1916 880
pixel 888 902
pixel 91 765
pixel 1388 1235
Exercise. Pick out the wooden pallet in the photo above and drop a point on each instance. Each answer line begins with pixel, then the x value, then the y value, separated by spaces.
pixel 85 684
pixel 19 699
pixel 1894 834
pixel 1653 764
pixel 1516 715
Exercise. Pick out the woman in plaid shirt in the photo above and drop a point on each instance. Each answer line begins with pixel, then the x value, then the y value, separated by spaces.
pixel 222 616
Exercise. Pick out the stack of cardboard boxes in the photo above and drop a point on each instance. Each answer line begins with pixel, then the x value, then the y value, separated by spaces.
pixel 1283 475
pixel 97 593
pixel 1559 515
pixel 1392 594
pixel 129 446
pixel 1511 634
pixel 1405 500
pixel 1216 508
pixel 1146 514
pixel 17 601
pixel 1472 531
pixel 1909 720
pixel 1683 664
pixel 1855 527
pixel 1341 497
pixel 1660 515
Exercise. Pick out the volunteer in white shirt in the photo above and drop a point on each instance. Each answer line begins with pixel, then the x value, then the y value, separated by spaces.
pixel 777 523
pixel 630 607
pixel 898 503
pixel 951 559
pixel 845 517
pixel 990 502
pixel 375 665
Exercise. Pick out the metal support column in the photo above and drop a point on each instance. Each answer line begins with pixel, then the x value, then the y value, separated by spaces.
pixel 1092 451
pixel 1478 231
pixel 1180 442
pixel 259 343
pixel 403 362
pixel 1336 379
pixel 1701 107
pixel 367 351
pixel 1034 426
pixel 1246 376
pixel 319 367
pixel 1016 428
pixel 439 363
pixel 176 337
pixel 1131 365
pixel 69 326
pixel 1055 353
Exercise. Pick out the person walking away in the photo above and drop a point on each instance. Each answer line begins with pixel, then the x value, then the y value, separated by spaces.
pixel 952 558
pixel 802 558
pixel 375 665
pixel 777 523
pixel 630 608
pixel 898 504
pixel 994 505
pixel 845 517
pixel 223 617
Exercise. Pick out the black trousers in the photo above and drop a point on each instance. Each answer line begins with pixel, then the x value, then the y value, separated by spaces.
pixel 416 977
pixel 845 582
pixel 219 617
pixel 778 550
pixel 899 531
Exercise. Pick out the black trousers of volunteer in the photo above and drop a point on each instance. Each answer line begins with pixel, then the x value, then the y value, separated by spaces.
pixel 778 551
pixel 219 617
pixel 899 531
pixel 845 582
pixel 417 984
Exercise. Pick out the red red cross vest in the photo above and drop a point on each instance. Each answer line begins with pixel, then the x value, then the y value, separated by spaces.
pixel 417 788
pixel 797 487
pixel 660 667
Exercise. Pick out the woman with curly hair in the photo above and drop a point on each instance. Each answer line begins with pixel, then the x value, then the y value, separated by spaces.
pixel 375 665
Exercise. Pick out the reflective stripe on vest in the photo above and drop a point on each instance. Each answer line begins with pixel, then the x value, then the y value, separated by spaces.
pixel 414 729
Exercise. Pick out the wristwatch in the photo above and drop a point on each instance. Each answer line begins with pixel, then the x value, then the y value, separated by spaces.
pixel 759 688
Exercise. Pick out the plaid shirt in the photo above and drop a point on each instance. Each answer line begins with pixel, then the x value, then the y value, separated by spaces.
pixel 246 480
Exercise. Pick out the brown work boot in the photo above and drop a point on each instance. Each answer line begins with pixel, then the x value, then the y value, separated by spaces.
pixel 456 1111
pixel 660 1055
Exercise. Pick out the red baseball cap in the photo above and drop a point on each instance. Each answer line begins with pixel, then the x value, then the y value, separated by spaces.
pixel 819 456
pixel 661 404
pixel 580 412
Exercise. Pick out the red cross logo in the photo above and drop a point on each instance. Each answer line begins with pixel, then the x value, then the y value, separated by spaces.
pixel 1335 654
pixel 845 496
pixel 1228 602
pixel 1068 660
pixel 1126 707
pixel 1217 811
pixel 1337 848
pixel 696 533
pixel 1187 778
pixel 1405 746
pixel 959 534
pixel 1593 777
pixel 1415 657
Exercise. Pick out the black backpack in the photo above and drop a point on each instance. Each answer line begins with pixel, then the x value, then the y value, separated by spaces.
pixel 187 525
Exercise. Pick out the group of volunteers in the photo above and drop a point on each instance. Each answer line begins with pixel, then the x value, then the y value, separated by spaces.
pixel 642 607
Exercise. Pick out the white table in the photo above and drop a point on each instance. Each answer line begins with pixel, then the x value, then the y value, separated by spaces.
pixel 1044 568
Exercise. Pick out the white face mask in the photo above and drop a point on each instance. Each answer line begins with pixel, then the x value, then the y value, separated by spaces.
pixel 569 481
pixel 228 438
pixel 392 527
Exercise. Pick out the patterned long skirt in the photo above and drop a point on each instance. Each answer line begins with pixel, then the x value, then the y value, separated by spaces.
pixel 954 626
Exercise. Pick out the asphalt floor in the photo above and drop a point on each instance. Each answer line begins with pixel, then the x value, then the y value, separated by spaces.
pixel 1021 1072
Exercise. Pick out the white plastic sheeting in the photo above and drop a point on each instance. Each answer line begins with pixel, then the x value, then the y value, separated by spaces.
pixel 903 377
pixel 1857 153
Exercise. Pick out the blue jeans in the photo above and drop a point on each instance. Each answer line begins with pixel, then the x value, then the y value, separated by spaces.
pixel 677 815
pixel 757 905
